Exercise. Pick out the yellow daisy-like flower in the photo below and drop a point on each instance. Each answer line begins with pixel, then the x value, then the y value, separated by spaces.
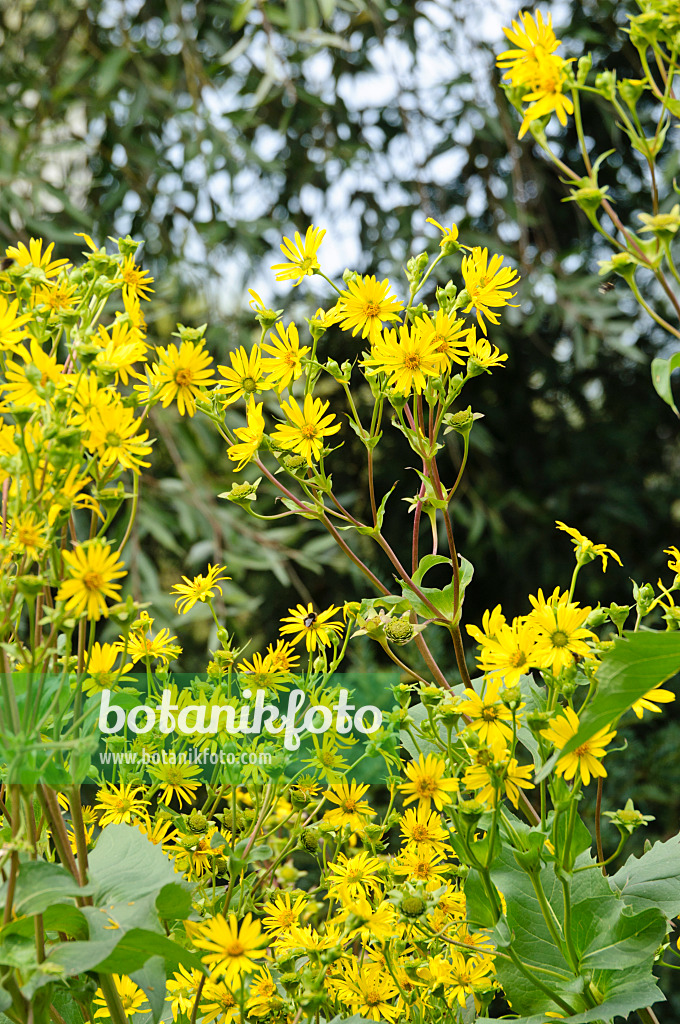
pixel 301 256
pixel 306 428
pixel 426 783
pixel 231 950
pixel 118 805
pixel 449 235
pixel 33 256
pixel 12 326
pixel 372 924
pixel 489 716
pixel 114 438
pixel 647 703
pixel 92 569
pixel 533 39
pixel 132 998
pixel 285 363
pixel 249 437
pixel 262 993
pixel 101 671
pixel 586 758
pixel 133 279
pixel 492 621
pixel 406 359
pixel 283 656
pixel 674 560
pixel 516 778
pixel 176 780
pixel 509 653
pixel 369 992
pixel 354 876
pixel 221 1005
pixel 161 648
pixel 585 550
pixel 244 378
pixel 58 296
pixel 421 865
pixel 351 809
pixel 181 991
pixel 366 305
pixel 482 354
pixel 27 535
pixel 449 335
pixel 123 346
pixel 422 830
pixel 181 373
pixel 283 911
pixel 312 627
pixel 488 284
pixel 200 588
pixel 22 380
pixel 547 97
pixel 561 636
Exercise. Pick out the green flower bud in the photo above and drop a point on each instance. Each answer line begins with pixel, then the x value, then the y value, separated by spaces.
pixel 412 906
pixel 431 696
pixel 585 63
pixel 309 840
pixel 605 83
pixel 399 631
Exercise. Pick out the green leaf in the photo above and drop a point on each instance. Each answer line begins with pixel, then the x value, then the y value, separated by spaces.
pixel 443 600
pixel 661 378
pixel 40 885
pixel 115 874
pixel 652 880
pixel 615 937
pixel 151 979
pixel 173 902
pixel 634 665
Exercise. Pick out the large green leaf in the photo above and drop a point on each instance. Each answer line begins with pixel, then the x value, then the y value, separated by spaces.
pixel 125 865
pixel 613 936
pixel 661 378
pixel 652 880
pixel 634 665
pixel 41 884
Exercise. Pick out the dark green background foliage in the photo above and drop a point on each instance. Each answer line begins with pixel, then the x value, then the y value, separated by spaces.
pixel 208 130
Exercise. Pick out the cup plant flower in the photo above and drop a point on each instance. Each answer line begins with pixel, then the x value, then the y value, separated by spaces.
pixel 211 880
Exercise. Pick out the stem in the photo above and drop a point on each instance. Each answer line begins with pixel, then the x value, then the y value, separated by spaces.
pixel 110 993
pixel 598 825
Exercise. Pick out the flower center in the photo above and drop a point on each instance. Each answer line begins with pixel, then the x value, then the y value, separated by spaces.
pixel 249 384
pixel 93 580
pixel 412 362
pixel 372 309
pixel 559 638
pixel 235 948
pixel 489 714
pixel 183 378
pixel 309 431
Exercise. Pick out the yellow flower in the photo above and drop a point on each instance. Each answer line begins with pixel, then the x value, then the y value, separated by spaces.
pixel 261 673
pixel 482 354
pixel 230 949
pixel 221 1006
pixel 245 377
pixel 515 778
pixel 561 636
pixel 27 535
pixel 181 374
pixel 122 348
pixel 33 256
pixel 114 438
pixel 282 912
pixel 92 569
pixel 674 561
pixel 283 656
pixel 446 333
pixel 488 716
pixel 141 645
pixel 131 996
pixel 263 993
pixel 250 437
pixel 119 804
pixel 422 830
pixel 58 296
pixel 369 991
pixel 585 550
pixel 99 665
pixel 351 809
pixel 176 780
pixel 301 256
pixel 646 703
pixel 533 39
pixel 200 588
pixel 420 865
pixel 426 783
pixel 159 831
pixel 546 96
pixel 365 305
pixel 492 621
pixel 306 428
pixel 11 325
pixel 407 361
pixel 181 991
pixel 510 652
pixel 449 235
pixel 23 382
pixel 377 924
pixel 310 626
pixel 488 284
pixel 586 758
pixel 354 876
pixel 134 281
pixel 285 362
